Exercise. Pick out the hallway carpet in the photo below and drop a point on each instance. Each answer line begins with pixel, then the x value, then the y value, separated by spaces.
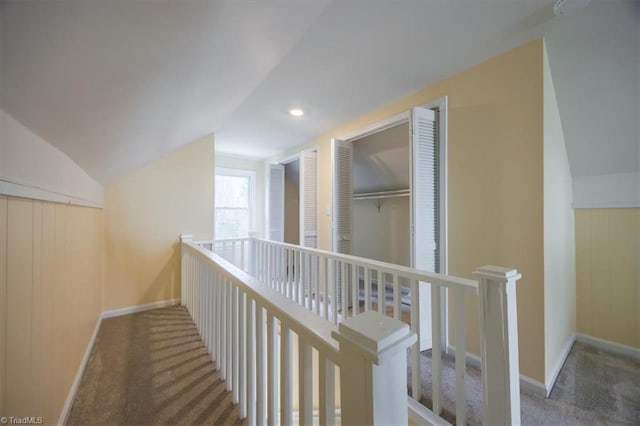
pixel 151 368
pixel 594 387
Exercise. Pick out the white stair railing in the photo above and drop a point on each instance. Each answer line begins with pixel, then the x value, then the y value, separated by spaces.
pixel 320 281
pixel 254 334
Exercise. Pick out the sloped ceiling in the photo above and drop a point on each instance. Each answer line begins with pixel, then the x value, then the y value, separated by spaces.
pixel 381 161
pixel 116 84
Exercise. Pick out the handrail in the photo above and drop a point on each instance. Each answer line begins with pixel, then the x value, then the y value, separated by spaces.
pixel 300 320
pixel 448 281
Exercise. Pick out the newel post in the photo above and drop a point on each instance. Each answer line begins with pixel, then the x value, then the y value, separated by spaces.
pixel 373 369
pixel 184 238
pixel 499 345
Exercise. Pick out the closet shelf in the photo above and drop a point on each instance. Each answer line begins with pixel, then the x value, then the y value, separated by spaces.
pixel 381 194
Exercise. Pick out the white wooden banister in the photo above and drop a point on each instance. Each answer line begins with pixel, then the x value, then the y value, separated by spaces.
pixel 499 345
pixel 373 369
pixel 274 308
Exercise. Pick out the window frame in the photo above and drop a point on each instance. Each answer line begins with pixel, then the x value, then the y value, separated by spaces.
pixel 251 175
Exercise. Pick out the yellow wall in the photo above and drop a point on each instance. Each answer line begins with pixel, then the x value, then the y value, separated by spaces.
pixel 51 268
pixel 146 212
pixel 608 274
pixel 495 180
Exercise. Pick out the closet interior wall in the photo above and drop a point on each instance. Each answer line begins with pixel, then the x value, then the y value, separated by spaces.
pixel 381 224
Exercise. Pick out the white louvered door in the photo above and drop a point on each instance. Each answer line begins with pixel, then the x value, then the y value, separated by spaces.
pixel 342 165
pixel 276 203
pixel 424 208
pixel 342 195
pixel 309 199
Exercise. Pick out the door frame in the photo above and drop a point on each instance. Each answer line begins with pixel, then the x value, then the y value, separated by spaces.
pixel 441 105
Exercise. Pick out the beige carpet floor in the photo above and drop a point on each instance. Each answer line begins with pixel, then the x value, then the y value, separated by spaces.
pixel 151 368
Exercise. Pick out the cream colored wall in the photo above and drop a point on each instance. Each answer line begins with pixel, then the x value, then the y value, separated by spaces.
pixel 608 274
pixel 51 269
pixel 385 234
pixel 495 180
pixel 146 212
pixel 559 238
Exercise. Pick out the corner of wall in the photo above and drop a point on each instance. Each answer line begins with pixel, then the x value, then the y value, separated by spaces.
pixel 559 237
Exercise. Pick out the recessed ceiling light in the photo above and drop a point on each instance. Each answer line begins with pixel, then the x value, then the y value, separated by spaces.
pixel 296 112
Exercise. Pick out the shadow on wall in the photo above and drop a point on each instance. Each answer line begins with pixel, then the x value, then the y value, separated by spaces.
pixel 166 285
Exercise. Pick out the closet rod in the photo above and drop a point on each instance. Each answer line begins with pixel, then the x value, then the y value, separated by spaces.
pixel 381 194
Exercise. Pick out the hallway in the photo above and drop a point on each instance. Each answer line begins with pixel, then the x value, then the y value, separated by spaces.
pixel 151 368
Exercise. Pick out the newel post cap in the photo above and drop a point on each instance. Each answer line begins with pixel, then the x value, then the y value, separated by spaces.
pixel 186 237
pixel 497 273
pixel 375 335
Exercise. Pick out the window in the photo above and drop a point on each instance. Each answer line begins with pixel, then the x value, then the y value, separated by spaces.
pixel 234 203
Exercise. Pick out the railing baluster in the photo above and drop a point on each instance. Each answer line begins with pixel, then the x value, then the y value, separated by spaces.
pixel 436 352
pixel 218 315
pixel 415 349
pixel 272 371
pixel 242 354
pixel 381 292
pixel 260 367
pixel 285 376
pixel 344 287
pixel 461 354
pixel 334 290
pixel 251 362
pixel 229 332
pixel 235 343
pixel 397 297
pixel 307 280
pixel 355 287
pixel 305 385
pixel 224 325
pixel 327 286
pixel 327 391
pixel 367 289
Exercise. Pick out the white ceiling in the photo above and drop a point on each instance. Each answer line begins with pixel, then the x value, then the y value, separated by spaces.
pixel 116 84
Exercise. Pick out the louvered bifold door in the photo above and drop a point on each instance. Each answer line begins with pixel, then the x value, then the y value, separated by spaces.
pixel 276 202
pixel 424 208
pixel 309 199
pixel 342 206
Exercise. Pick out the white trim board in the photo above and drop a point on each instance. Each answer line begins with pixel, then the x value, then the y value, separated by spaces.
pixel 14 188
pixel 608 345
pixel 71 396
pixel 139 308
pixel 551 378
pixel 526 383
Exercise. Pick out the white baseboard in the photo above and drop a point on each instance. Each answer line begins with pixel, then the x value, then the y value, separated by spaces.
pixel 551 378
pixel 66 409
pixel 526 383
pixel 609 346
pixel 139 308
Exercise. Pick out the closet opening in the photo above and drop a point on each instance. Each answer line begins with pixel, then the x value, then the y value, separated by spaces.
pixel 292 210
pixel 389 201
pixel 292 202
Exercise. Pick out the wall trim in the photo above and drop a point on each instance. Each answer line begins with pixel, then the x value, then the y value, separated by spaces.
pixel 608 345
pixel 14 188
pixel 617 205
pixel 139 308
pixel 551 378
pixel 526 383
pixel 71 396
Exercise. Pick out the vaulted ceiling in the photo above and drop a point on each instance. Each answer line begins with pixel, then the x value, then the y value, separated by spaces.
pixel 116 84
